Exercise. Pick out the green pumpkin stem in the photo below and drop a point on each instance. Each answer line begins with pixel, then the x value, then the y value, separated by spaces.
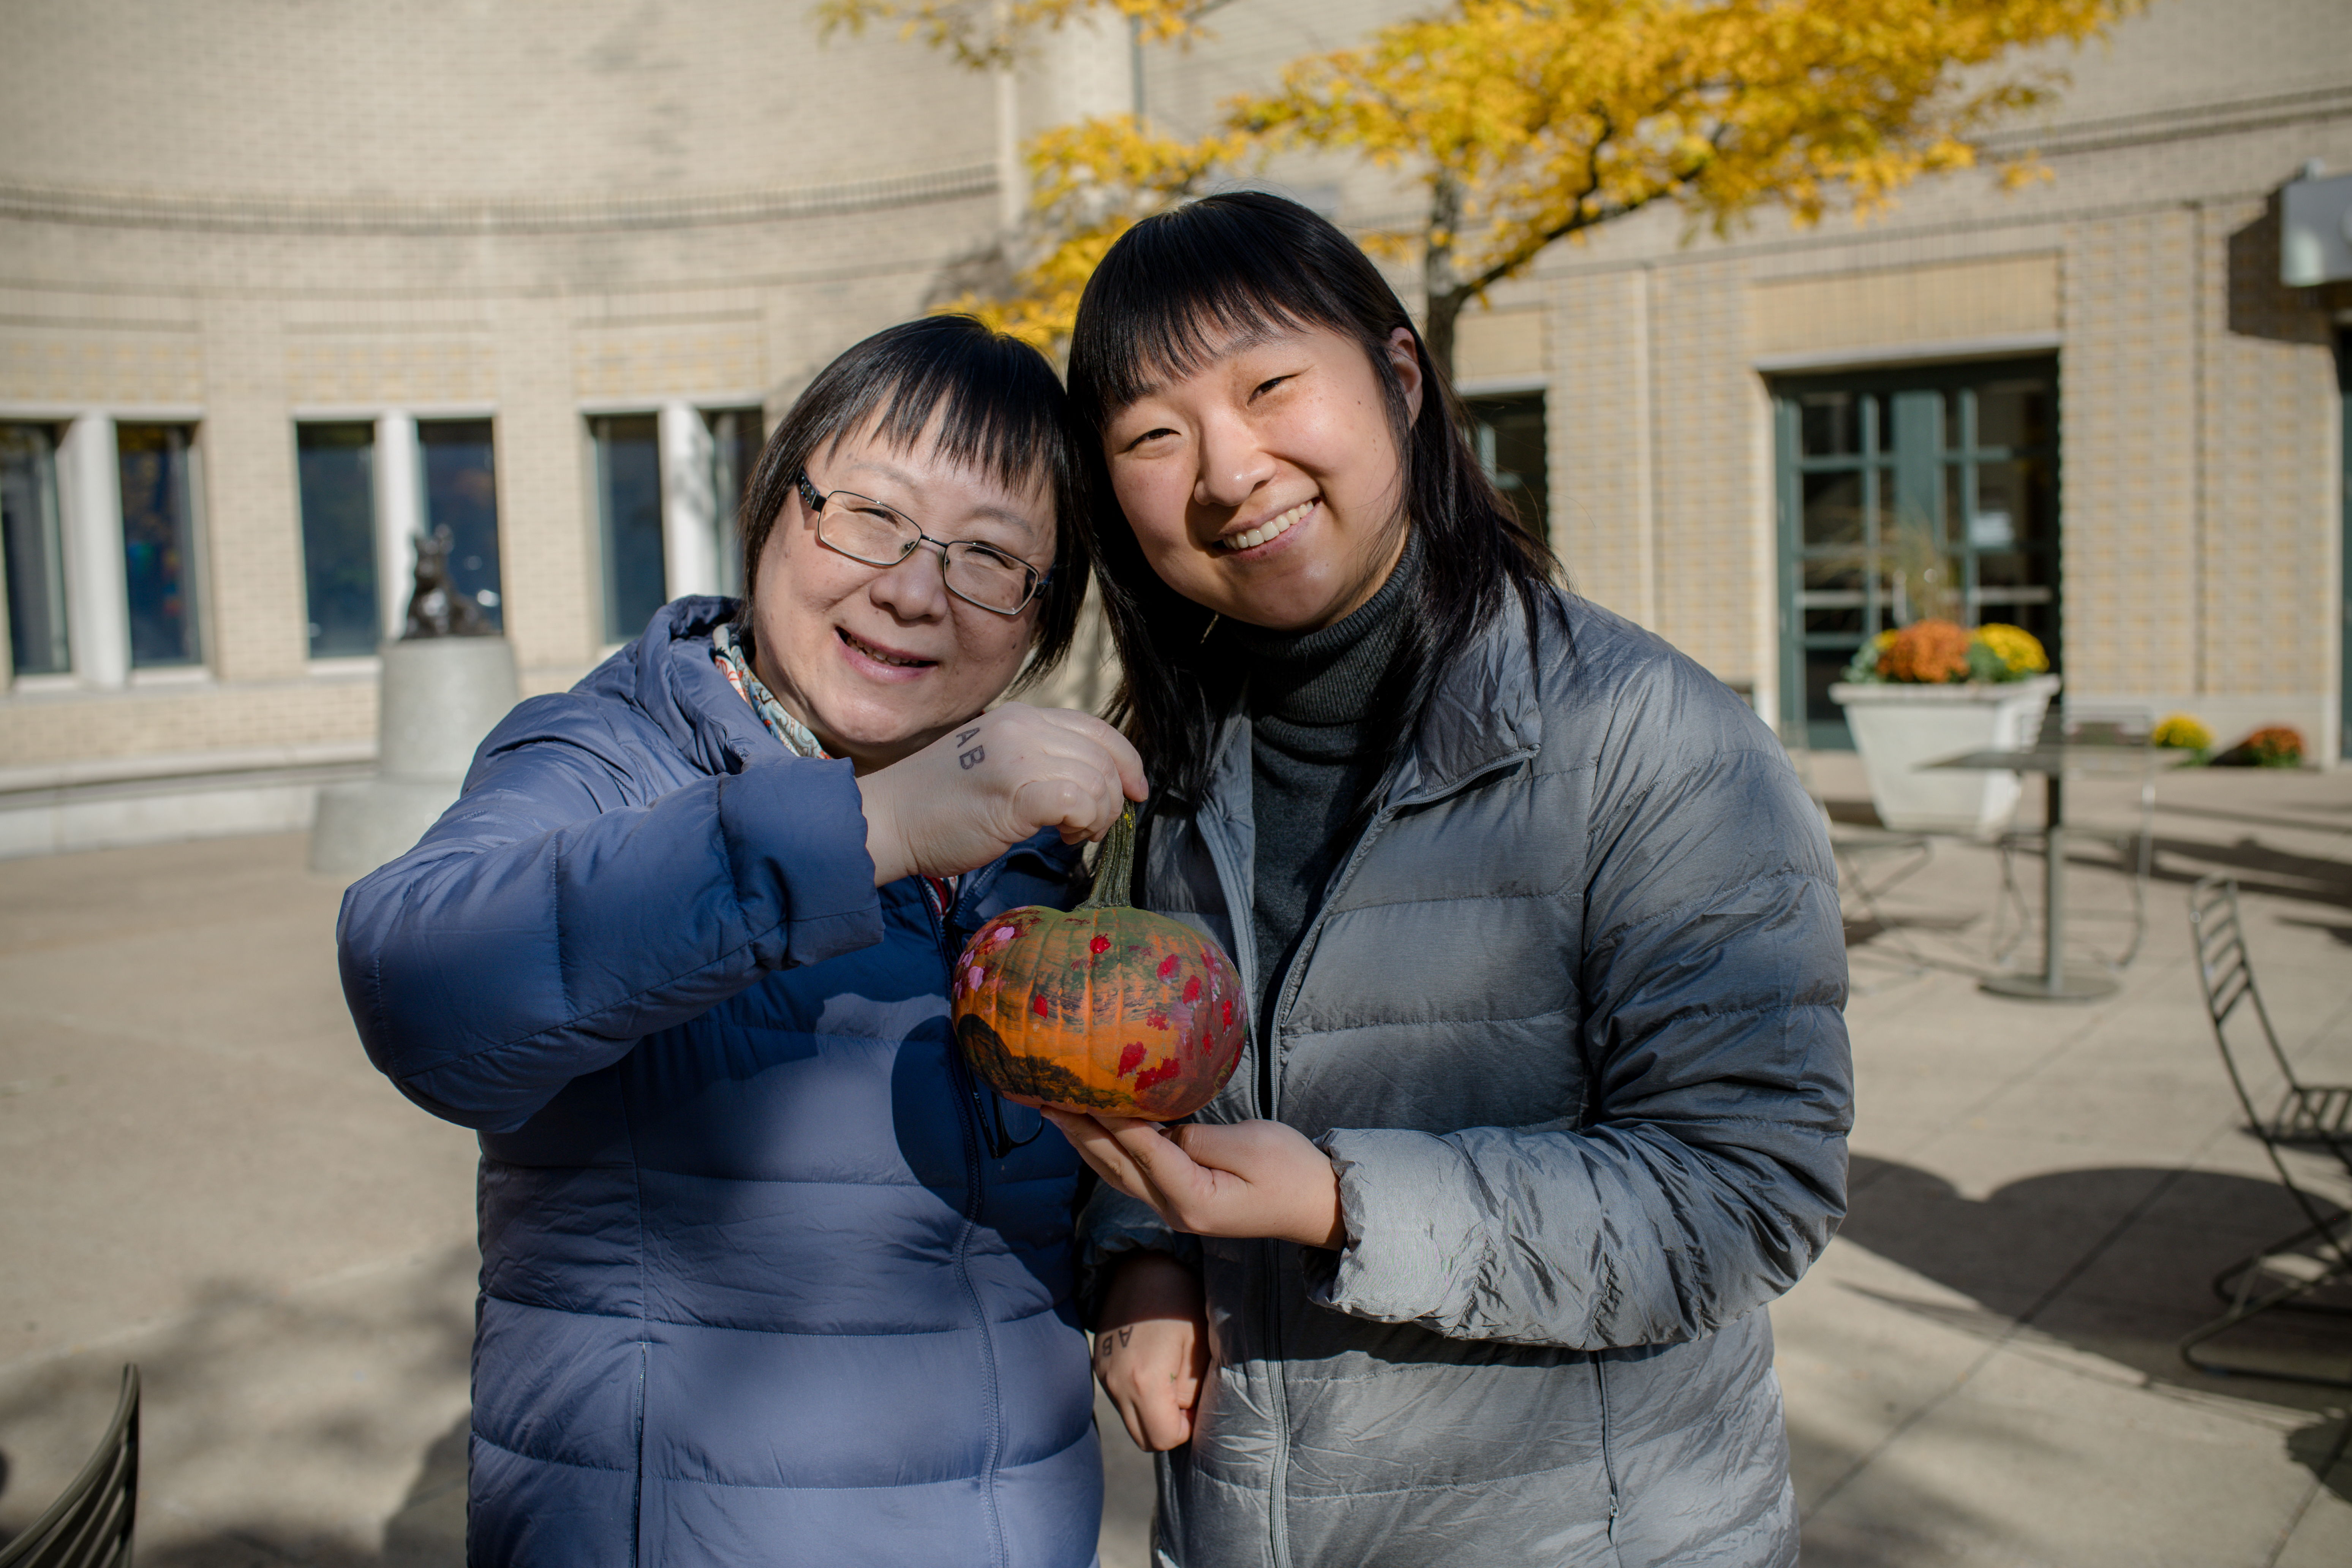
pixel 1115 867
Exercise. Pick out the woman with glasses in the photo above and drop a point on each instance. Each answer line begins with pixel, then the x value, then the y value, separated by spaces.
pixel 1548 1086
pixel 767 1277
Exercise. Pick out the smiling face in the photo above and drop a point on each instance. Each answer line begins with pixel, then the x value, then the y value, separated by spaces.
pixel 879 662
pixel 1266 485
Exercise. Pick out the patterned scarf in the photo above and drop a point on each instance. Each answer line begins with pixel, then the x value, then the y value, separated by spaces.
pixel 728 654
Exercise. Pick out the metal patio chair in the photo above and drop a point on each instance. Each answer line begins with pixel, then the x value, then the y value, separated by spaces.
pixel 89 1524
pixel 2306 1117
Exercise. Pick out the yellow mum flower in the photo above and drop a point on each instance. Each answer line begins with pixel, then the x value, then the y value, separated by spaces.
pixel 2015 647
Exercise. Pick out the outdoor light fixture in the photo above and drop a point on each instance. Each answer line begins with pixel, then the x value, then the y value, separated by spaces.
pixel 2315 229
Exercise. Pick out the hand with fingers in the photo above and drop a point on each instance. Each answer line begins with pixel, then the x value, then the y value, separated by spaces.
pixel 991 782
pixel 1245 1179
pixel 1151 1350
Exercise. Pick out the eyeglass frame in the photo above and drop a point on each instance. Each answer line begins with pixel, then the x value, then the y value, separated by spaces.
pixel 816 501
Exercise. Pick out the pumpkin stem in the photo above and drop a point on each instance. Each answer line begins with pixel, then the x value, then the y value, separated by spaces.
pixel 1115 867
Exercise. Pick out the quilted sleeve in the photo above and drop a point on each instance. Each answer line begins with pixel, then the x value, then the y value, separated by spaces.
pixel 555 915
pixel 1710 1170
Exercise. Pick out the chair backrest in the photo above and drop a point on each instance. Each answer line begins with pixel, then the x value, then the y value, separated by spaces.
pixel 2228 976
pixel 89 1524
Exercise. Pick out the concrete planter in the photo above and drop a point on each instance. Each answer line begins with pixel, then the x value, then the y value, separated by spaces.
pixel 1899 728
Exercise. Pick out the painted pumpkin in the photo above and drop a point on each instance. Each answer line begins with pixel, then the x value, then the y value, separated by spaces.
pixel 1104 1008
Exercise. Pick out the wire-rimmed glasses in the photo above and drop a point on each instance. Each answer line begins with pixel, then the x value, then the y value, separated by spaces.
pixel 866 530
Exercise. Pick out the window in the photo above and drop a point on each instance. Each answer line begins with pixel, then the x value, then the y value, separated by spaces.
pixel 735 443
pixel 1932 491
pixel 669 489
pixel 1509 432
pixel 159 544
pixel 461 494
pixel 335 468
pixel 34 551
pixel 629 504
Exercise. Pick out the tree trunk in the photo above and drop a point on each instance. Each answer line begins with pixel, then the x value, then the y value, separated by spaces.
pixel 1437 332
pixel 1442 296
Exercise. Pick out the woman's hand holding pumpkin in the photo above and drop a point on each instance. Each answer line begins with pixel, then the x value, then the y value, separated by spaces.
pixel 1245 1179
pixel 994 781
pixel 1151 1349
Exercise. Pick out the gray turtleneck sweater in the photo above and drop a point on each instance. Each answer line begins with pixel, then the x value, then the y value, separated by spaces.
pixel 1315 742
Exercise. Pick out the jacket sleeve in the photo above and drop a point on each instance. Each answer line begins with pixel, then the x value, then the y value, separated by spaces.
pixel 1709 1169
pixel 553 917
pixel 1113 1228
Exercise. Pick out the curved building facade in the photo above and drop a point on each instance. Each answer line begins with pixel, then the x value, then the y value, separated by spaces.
pixel 281 285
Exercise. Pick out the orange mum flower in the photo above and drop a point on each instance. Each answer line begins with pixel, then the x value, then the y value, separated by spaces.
pixel 1927 653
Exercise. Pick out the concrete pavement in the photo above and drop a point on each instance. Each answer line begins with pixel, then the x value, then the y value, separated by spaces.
pixel 202 1174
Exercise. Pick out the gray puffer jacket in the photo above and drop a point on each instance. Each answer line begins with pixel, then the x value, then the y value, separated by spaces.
pixel 1568 1022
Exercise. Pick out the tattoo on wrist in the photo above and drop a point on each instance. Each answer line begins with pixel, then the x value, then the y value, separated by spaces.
pixel 967 735
pixel 974 757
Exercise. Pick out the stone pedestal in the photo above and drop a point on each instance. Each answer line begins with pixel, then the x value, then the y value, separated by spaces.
pixel 437 697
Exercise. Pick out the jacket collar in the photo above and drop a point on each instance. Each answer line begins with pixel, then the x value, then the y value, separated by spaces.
pixel 668 675
pixel 1487 710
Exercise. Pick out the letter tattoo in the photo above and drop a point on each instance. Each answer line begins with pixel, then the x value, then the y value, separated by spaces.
pixel 967 735
pixel 974 757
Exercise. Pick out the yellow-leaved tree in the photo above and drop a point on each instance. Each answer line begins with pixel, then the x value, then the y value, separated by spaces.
pixel 1529 121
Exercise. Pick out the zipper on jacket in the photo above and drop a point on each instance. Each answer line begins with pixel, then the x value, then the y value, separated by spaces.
pixel 1269 1104
pixel 637 1447
pixel 968 1123
pixel 1266 1092
pixel 1608 1439
pixel 1240 913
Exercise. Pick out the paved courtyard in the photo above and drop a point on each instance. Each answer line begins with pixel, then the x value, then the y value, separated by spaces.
pixel 202 1174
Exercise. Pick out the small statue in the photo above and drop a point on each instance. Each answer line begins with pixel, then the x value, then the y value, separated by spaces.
pixel 435 609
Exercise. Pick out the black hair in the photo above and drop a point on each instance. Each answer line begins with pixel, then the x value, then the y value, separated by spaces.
pixel 1167 297
pixel 1000 410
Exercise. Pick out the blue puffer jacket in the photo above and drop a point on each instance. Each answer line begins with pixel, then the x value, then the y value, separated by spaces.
pixel 755 1288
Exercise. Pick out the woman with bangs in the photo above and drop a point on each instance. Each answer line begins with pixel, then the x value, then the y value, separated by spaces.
pixel 1549 1085
pixel 767 1278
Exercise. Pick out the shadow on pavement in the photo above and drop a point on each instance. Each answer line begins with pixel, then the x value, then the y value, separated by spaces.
pixel 2342 933
pixel 2259 869
pixel 268 1417
pixel 429 1530
pixel 2117 1262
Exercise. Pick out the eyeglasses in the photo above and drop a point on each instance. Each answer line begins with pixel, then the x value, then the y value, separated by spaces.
pixel 865 529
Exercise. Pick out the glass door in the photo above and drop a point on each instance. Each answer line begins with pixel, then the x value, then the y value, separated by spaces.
pixel 1931 491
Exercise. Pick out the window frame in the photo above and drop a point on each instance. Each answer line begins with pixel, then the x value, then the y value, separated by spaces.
pixel 1905 466
pixel 57 548
pixel 196 581
pixel 303 535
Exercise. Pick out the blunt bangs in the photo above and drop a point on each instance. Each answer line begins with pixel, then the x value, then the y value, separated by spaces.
pixel 1182 287
pixel 991 404
pixel 999 410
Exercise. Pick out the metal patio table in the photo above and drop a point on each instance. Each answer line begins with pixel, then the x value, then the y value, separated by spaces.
pixel 2054 760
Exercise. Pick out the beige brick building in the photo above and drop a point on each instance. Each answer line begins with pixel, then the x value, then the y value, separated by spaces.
pixel 280 286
